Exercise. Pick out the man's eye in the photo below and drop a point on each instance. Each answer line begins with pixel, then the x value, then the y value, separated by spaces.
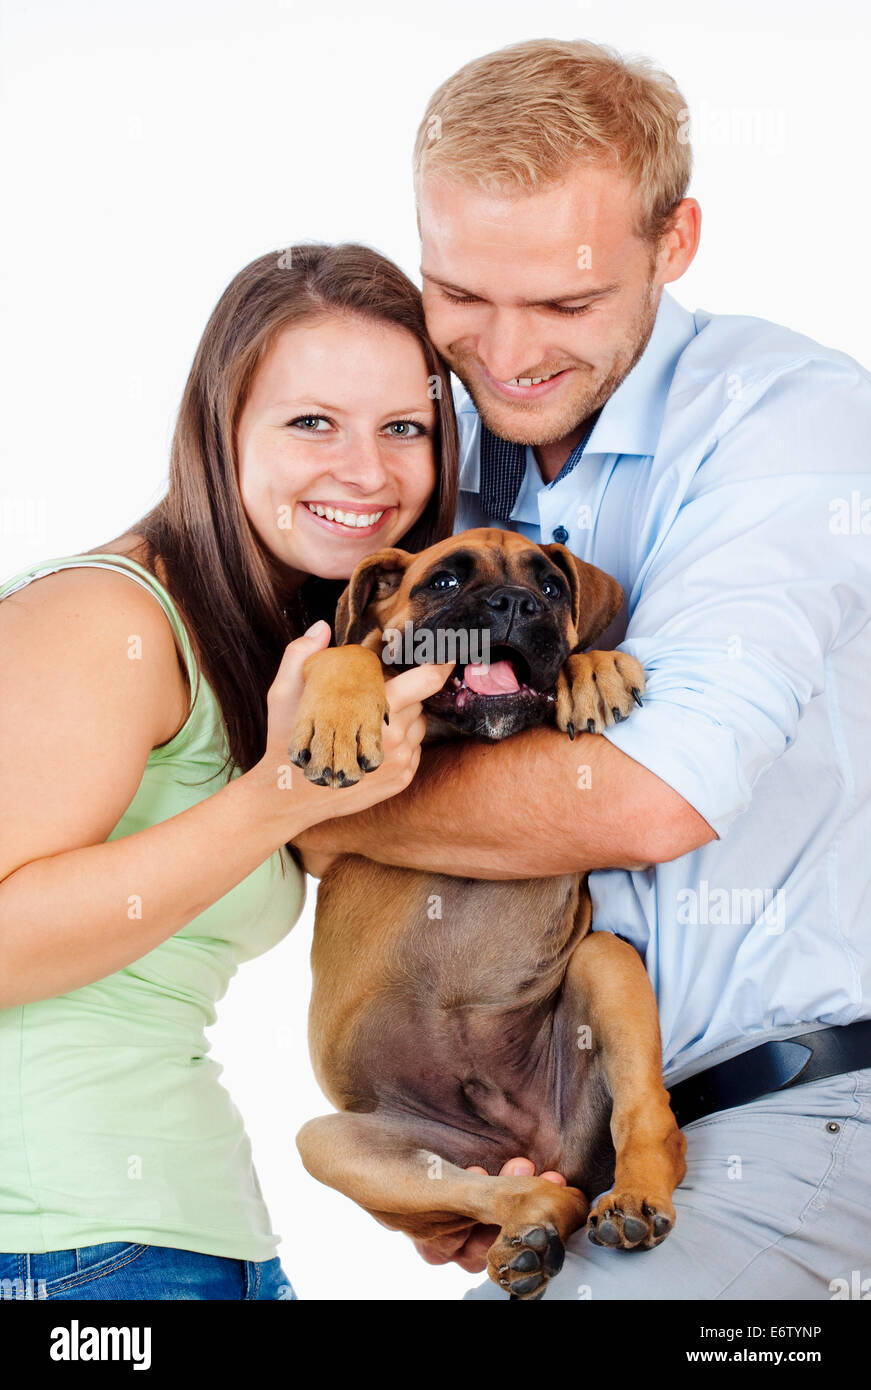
pixel 571 309
pixel 460 298
pixel 313 424
pixel 443 580
pixel 405 429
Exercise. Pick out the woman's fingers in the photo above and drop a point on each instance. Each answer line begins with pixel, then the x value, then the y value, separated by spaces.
pixel 287 687
pixel 417 684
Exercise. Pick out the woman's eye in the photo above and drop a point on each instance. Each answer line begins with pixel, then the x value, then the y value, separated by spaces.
pixel 551 589
pixel 405 429
pixel 443 581
pixel 313 424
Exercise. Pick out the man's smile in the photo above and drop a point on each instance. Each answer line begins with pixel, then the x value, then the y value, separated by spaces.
pixel 526 388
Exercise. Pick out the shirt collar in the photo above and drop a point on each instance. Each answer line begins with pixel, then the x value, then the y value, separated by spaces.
pixel 631 420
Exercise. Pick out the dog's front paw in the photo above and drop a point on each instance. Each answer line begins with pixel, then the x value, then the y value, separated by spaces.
pixel 597 689
pixel 343 707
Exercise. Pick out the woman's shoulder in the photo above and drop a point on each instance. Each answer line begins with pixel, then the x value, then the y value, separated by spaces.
pixel 88 587
pixel 82 611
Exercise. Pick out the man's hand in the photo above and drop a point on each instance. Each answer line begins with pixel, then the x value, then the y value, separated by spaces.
pixel 315 862
pixel 469 1251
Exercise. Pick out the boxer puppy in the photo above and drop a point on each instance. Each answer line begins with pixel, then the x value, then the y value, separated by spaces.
pixel 457 1021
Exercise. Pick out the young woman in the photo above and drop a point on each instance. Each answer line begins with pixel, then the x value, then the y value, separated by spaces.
pixel 148 690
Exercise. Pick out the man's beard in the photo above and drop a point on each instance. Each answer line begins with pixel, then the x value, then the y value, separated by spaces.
pixel 507 421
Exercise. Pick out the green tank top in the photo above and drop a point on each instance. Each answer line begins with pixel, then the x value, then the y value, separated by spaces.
pixel 113 1122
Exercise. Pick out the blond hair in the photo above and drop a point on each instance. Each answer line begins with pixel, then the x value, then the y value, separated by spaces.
pixel 527 114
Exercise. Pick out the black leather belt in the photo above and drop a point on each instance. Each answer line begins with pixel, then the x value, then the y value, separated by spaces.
pixel 772 1066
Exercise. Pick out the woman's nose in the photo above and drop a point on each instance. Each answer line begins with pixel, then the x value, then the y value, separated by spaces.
pixel 363 462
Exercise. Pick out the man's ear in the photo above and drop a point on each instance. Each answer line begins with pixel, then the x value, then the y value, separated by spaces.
pixel 374 579
pixel 596 597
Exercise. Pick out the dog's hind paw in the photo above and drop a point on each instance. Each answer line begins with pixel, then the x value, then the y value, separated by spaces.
pixel 523 1263
pixel 626 1222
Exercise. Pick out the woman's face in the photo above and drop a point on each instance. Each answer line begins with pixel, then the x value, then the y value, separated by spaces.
pixel 335 443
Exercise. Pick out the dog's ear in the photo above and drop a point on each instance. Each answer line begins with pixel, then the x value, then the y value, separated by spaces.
pixel 596 597
pixel 374 579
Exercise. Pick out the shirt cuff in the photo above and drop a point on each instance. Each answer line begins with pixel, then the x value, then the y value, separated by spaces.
pixel 694 754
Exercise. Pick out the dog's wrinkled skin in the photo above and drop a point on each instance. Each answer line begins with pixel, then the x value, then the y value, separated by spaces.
pixel 457 1021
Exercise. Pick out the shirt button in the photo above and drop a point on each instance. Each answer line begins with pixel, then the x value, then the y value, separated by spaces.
pixel 561 535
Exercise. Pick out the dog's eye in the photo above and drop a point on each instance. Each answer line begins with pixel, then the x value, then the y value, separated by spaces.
pixel 443 580
pixel 551 589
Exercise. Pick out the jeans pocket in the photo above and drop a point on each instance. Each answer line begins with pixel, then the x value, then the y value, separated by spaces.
pixel 95 1262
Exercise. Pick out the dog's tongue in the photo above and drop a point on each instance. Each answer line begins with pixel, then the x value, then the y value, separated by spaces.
pixel 498 679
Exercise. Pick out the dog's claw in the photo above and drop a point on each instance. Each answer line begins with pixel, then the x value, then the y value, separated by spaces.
pixel 636 697
pixel 591 726
pixel 570 730
pixel 661 1225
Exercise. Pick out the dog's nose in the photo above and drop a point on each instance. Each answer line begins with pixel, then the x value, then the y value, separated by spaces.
pixel 510 598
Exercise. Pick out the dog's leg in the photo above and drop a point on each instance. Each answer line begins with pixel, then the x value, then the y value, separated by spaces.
pixel 608 990
pixel 385 1165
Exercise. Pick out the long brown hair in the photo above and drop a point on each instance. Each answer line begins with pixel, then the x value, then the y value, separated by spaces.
pixel 216 566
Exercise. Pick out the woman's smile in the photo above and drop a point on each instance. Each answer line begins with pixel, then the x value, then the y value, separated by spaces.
pixel 349 521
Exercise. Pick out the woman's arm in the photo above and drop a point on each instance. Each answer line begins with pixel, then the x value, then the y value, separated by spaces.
pixel 78 719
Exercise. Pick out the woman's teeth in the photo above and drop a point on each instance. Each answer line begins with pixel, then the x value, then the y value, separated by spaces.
pixel 350 519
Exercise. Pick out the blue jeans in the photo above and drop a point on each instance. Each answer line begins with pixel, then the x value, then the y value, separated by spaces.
pixel 117 1269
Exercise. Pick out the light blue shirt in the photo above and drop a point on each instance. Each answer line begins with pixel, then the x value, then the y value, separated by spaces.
pixel 727 486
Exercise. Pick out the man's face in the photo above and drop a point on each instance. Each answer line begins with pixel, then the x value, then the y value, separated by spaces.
pixel 554 284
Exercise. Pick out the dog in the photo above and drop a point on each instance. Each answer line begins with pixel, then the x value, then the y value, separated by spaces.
pixel 457 1021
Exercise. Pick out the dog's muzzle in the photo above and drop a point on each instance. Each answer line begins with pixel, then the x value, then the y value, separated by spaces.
pixel 509 654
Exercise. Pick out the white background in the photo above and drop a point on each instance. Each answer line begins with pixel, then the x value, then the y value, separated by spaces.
pixel 152 149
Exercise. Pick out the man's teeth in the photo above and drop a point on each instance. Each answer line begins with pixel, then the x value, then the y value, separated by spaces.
pixel 351 519
pixel 530 380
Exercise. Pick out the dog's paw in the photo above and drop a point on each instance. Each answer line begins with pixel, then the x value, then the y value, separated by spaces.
pixel 628 1221
pixel 597 689
pixel 523 1262
pixel 336 737
pixel 535 1225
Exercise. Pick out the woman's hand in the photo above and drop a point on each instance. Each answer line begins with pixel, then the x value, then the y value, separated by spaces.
pixel 469 1251
pixel 303 803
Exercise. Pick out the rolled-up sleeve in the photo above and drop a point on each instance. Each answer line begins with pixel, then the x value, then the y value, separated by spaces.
pixel 759 572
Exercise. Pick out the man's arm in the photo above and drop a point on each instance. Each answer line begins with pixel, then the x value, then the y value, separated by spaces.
pixel 536 805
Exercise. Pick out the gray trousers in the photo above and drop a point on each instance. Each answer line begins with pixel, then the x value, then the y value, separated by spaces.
pixel 776 1204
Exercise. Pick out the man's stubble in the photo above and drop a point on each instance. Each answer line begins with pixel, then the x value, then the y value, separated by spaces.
pixel 590 396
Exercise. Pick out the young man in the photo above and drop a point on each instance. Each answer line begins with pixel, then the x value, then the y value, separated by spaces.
pixel 718 467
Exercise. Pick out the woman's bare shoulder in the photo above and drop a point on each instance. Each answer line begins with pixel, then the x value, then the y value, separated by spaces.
pixel 77 614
